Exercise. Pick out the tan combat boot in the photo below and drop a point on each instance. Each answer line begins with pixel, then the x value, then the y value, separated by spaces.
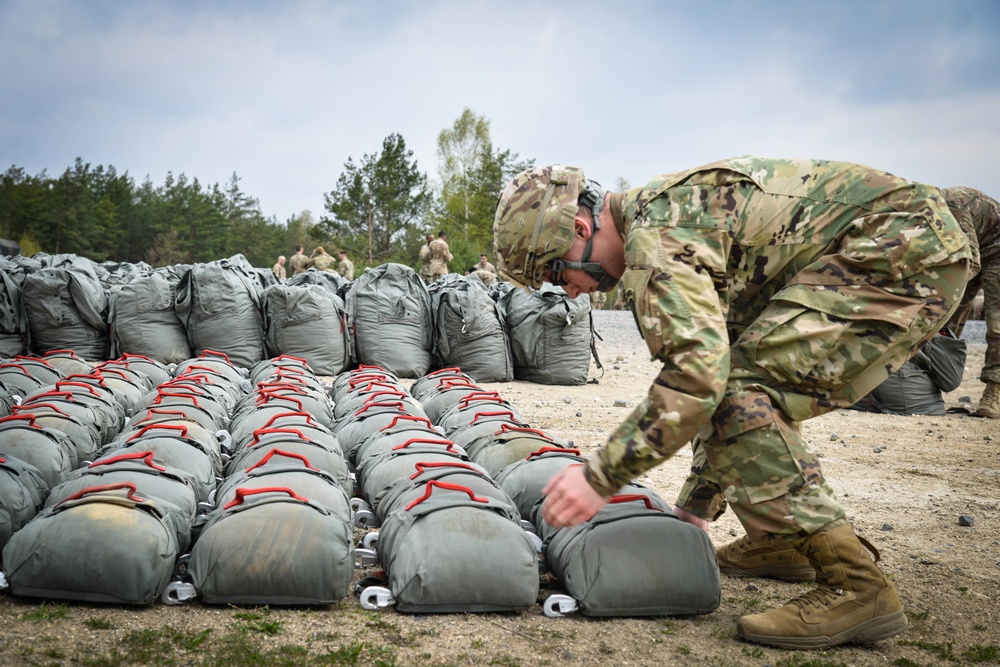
pixel 853 602
pixel 989 404
pixel 772 558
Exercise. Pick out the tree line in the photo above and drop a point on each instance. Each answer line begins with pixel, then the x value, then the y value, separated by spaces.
pixel 379 210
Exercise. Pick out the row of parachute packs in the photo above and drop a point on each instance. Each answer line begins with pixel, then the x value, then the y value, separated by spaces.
pixel 386 317
pixel 134 482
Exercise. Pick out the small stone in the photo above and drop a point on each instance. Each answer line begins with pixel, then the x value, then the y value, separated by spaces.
pixel 567 399
pixel 616 367
pixel 834 436
pixel 886 526
pixel 579 413
pixel 966 520
pixel 621 404
pixel 878 450
pixel 732 532
pixel 753 588
pixel 965 399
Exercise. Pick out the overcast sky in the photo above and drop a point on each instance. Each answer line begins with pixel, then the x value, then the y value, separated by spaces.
pixel 283 93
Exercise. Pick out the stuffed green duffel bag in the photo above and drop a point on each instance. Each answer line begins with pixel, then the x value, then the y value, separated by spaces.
pixel 450 550
pixel 635 558
pixel 102 544
pixel 273 546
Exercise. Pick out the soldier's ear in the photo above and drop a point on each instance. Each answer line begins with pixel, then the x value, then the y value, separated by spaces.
pixel 581 228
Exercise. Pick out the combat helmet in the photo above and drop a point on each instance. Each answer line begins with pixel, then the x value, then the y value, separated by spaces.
pixel 533 227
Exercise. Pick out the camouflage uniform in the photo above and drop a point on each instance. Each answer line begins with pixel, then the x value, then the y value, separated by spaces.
pixel 979 217
pixel 279 271
pixel 440 256
pixel 298 263
pixel 425 262
pixel 346 269
pixel 321 261
pixel 772 291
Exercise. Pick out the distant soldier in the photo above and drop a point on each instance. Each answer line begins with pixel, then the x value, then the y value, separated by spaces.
pixel 298 262
pixel 346 267
pixel 440 256
pixel 484 264
pixel 598 300
pixel 279 268
pixel 979 217
pixel 425 259
pixel 320 260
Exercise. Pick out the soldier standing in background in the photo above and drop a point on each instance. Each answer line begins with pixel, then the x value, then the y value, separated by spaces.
pixel 345 267
pixel 320 260
pixel 279 268
pixel 979 216
pixel 298 263
pixel 440 256
pixel 772 291
pixel 425 259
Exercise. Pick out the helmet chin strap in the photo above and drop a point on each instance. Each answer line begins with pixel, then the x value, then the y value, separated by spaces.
pixel 593 198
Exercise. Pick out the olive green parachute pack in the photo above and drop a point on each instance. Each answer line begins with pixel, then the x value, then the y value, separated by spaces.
pixel 308 321
pixel 144 321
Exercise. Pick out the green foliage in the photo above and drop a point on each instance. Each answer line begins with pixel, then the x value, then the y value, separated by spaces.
pixel 377 206
pixel 48 612
pixel 472 174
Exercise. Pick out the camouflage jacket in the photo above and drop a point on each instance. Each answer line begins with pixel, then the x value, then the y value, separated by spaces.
pixel 346 269
pixel 706 251
pixel 978 215
pixel 298 263
pixel 321 262
pixel 440 256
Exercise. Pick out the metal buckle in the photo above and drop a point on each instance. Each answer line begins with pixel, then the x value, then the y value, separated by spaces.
pixel 376 597
pixel 178 592
pixel 558 605
pixel 365 558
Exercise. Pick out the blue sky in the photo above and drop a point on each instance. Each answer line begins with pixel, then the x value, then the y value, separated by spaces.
pixel 283 93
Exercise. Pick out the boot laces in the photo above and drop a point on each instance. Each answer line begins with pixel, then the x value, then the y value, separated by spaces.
pixel 818 598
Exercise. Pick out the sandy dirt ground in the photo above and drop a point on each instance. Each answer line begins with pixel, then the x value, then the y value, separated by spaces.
pixel 904 482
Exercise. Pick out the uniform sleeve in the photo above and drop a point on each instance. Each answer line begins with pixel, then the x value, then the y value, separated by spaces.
pixel 674 279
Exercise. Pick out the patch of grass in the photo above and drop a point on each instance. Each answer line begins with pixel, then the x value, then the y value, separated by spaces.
pixel 349 654
pixel 755 652
pixel 605 648
pixel 942 651
pixel 668 626
pixel 48 612
pixel 798 661
pixel 917 615
pixel 504 661
pixel 477 643
pixel 53 653
pixel 979 653
pixel 752 603
pixel 963 589
pixel 259 622
pixel 98 623
pixel 904 662
pixel 684 650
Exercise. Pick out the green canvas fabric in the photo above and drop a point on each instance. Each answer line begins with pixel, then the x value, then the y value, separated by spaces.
pixel 308 322
pixel 469 331
pixel 143 319
pixel 22 494
pixel 67 310
pixel 50 451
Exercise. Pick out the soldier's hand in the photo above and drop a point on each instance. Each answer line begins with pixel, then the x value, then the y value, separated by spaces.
pixel 569 498
pixel 684 515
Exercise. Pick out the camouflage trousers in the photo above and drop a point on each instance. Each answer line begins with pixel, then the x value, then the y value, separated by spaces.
pixel 989 280
pixel 797 361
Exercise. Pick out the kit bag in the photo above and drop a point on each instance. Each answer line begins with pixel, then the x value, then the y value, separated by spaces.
pixel 102 544
pixel 13 318
pixel 447 549
pixel 309 322
pixel 389 311
pixel 524 480
pixel 49 450
pixel 143 319
pixel 22 492
pixel 67 310
pixel 219 305
pixel 635 557
pixel 272 545
pixel 469 330
pixel 550 335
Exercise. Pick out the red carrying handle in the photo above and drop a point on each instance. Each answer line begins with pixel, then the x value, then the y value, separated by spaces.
pixel 88 376
pixel 37 360
pixel 282 357
pixel 444 384
pixel 547 449
pixel 409 418
pixel 162 411
pixel 191 383
pixel 71 353
pixel 489 396
pixel 243 492
pixel 167 427
pixel 361 378
pixel 34 406
pixel 267 398
pixel 308 418
pixel 632 497
pixel 212 353
pixel 378 404
pixel 30 418
pixel 264 431
pixel 450 446
pixel 288 383
pixel 500 413
pixel 65 395
pixel 128 355
pixel 112 371
pixel 507 428
pixel 17 366
pixel 103 487
pixel 423 466
pixel 145 457
pixel 281 452
pixel 370 367
pixel 376 396
pixel 71 383
pixel 429 487
pixel 374 386
pixel 450 369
